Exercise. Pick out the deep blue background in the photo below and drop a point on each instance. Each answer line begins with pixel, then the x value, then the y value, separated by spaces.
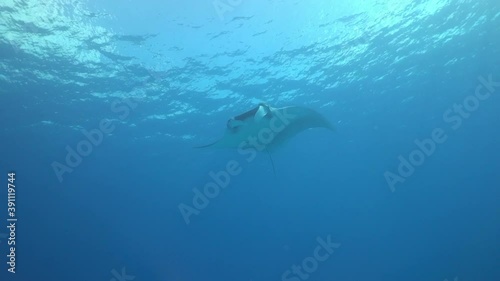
pixel 119 208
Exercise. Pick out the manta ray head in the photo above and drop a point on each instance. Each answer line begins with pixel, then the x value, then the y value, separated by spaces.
pixel 255 115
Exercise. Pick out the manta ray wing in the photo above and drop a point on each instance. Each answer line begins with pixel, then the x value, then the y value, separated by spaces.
pixel 301 119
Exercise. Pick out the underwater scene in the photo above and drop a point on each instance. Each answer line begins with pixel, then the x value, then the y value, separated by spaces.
pixel 236 140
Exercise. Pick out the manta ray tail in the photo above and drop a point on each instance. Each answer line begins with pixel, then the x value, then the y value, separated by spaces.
pixel 272 161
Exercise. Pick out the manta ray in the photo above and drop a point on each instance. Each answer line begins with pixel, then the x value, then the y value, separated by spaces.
pixel 266 128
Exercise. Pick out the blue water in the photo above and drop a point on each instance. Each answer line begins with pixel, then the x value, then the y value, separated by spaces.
pixel 157 78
